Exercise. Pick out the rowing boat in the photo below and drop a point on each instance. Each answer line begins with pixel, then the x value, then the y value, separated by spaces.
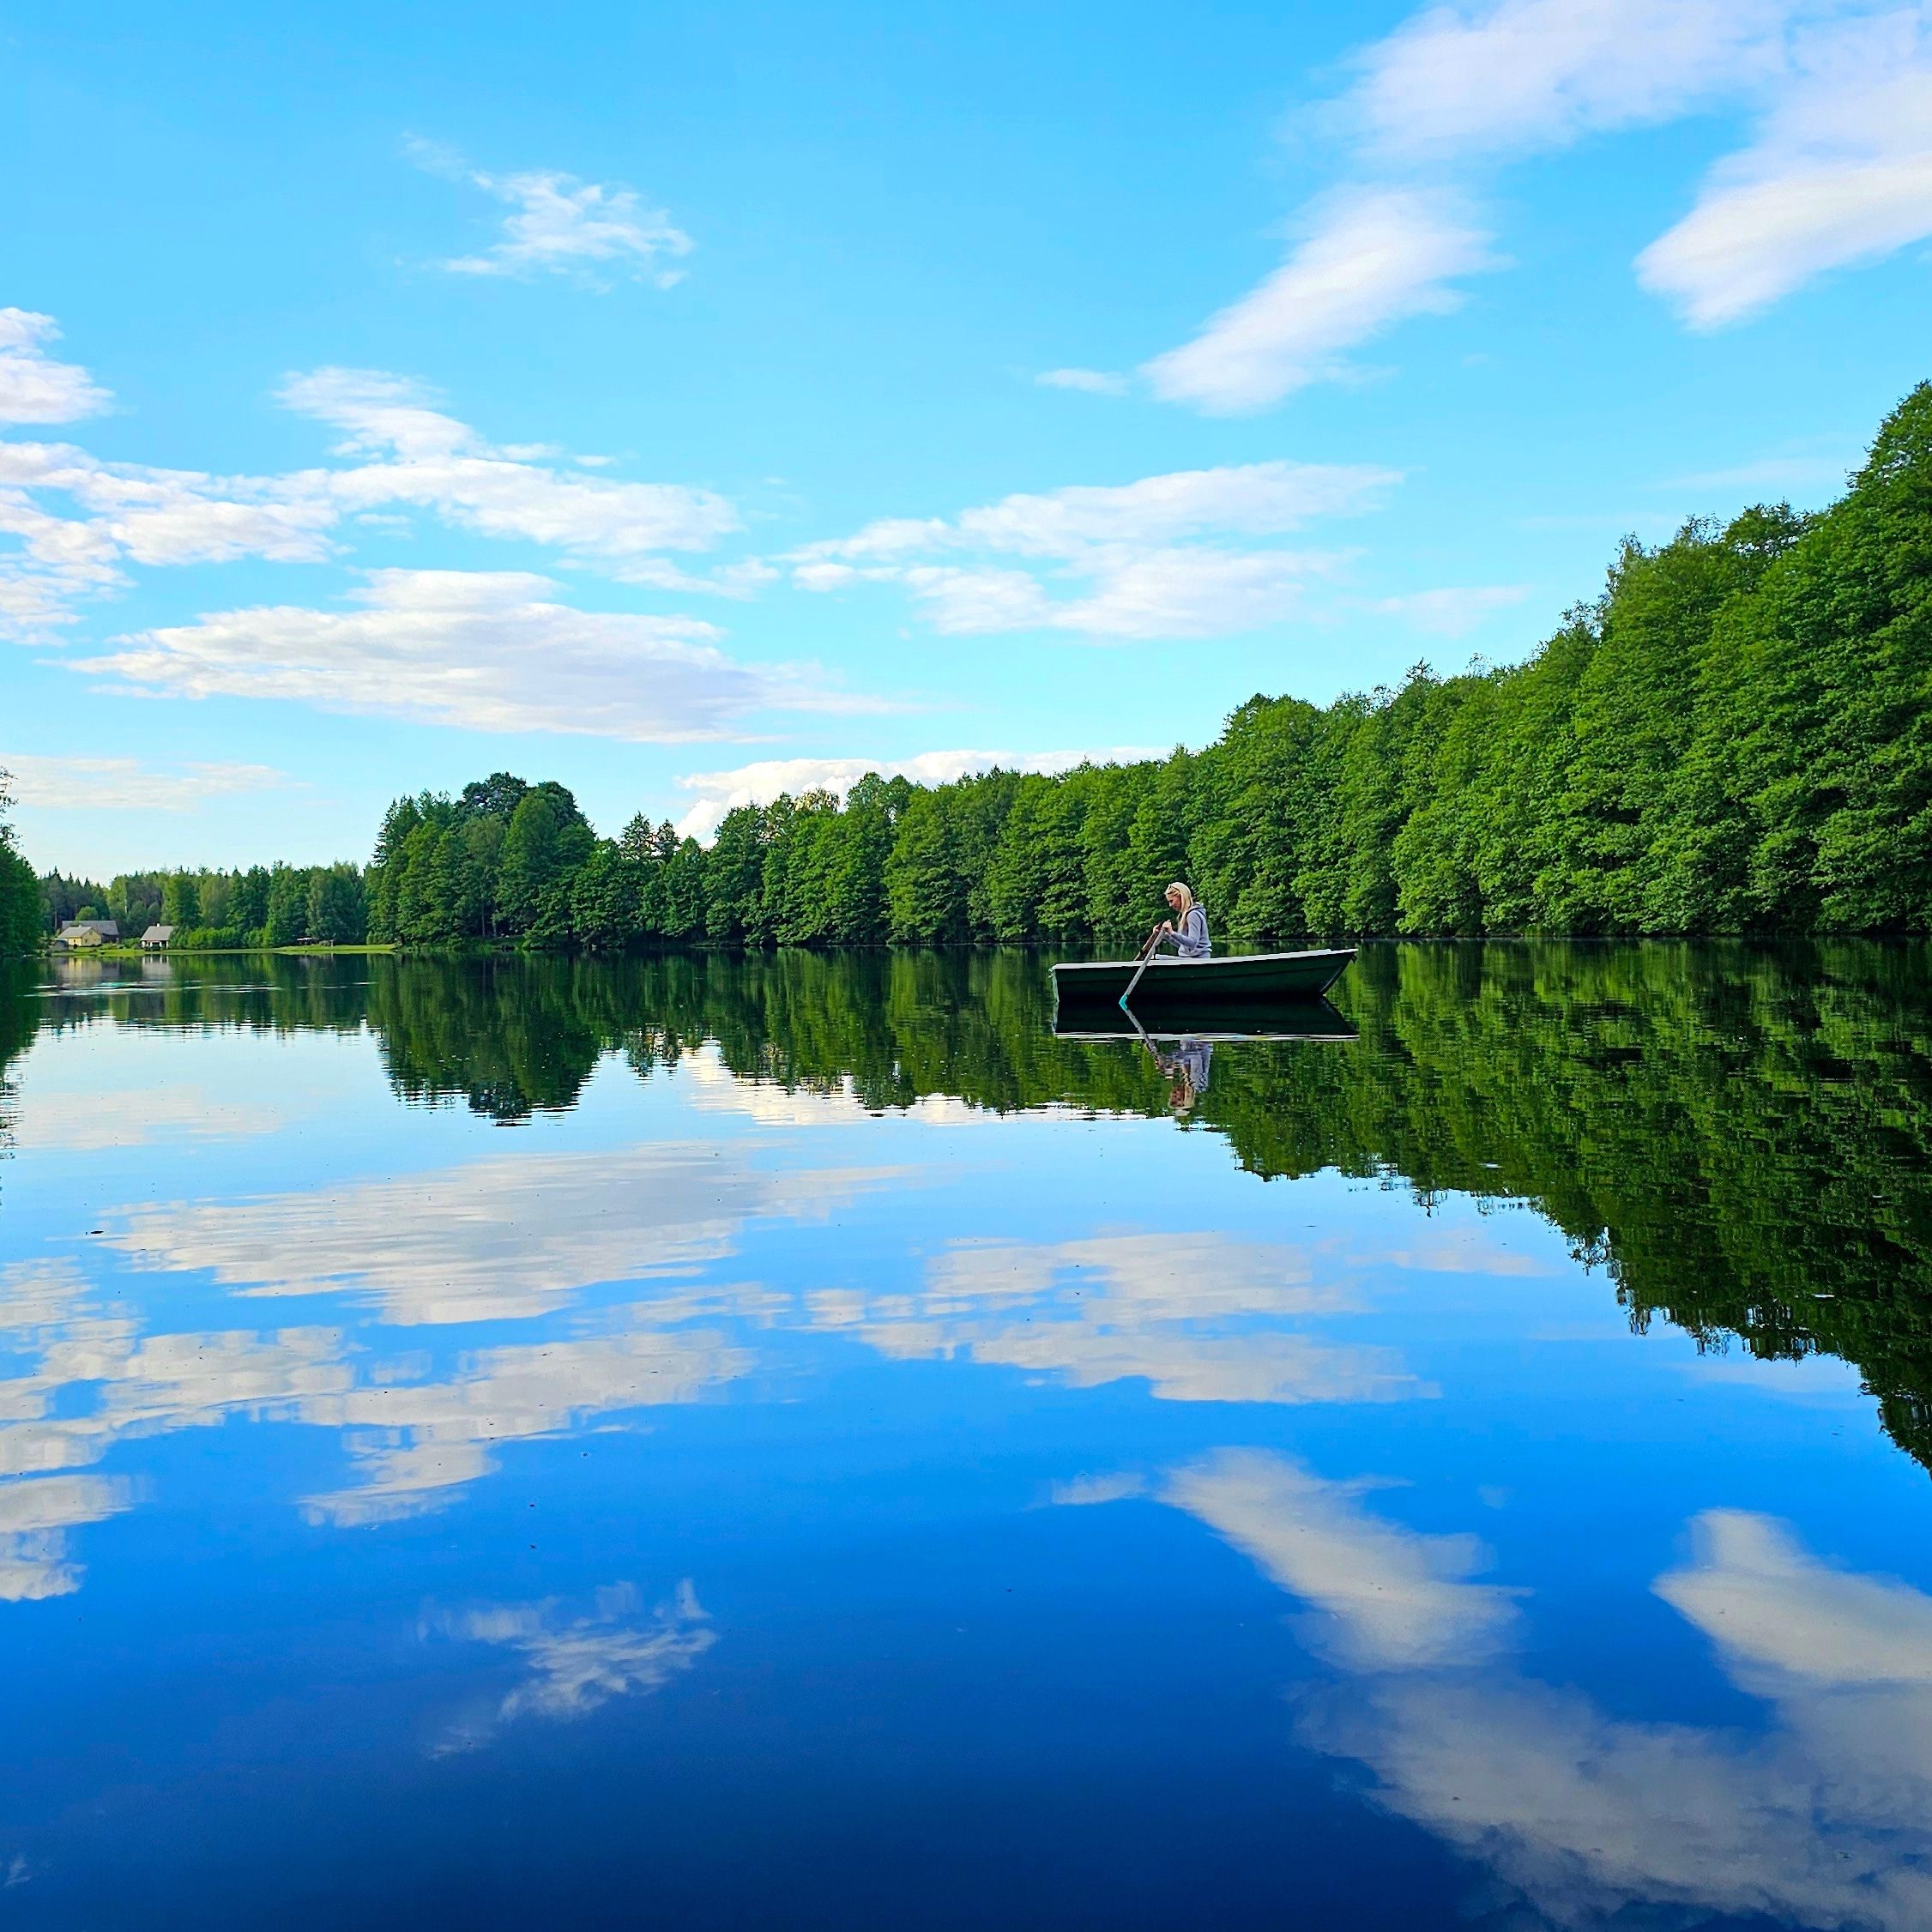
pixel 1247 979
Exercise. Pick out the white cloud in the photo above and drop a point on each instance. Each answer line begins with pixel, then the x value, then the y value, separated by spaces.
pixel 1457 82
pixel 34 388
pixel 407 453
pixel 1373 258
pixel 1454 611
pixel 71 784
pixel 379 414
pixel 759 783
pixel 484 651
pixel 1841 174
pixel 575 1664
pixel 1248 499
pixel 1133 1279
pixel 432 462
pixel 1840 171
pixel 561 224
pixel 167 516
pixel 1091 382
pixel 1133 553
pixel 135 513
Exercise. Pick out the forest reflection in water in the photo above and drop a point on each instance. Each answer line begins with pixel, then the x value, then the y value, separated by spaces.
pixel 1740 1135
pixel 803 1251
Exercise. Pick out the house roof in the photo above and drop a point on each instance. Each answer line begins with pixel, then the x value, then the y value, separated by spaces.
pixel 108 928
pixel 157 935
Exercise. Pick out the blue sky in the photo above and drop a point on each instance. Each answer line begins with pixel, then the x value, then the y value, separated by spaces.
pixel 683 406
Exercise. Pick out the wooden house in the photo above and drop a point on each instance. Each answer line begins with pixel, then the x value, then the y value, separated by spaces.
pixel 78 935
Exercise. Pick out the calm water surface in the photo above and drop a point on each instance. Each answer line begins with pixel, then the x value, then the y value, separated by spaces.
pixel 793 1442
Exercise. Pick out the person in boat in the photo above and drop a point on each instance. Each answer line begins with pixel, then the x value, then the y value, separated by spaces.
pixel 1187 1069
pixel 1187 931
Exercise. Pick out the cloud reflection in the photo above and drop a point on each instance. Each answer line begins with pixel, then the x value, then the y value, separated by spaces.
pixel 1391 1599
pixel 35 1516
pixel 1197 1316
pixel 494 1240
pixel 575 1665
pixel 84 1381
pixel 1822 1817
pixel 414 1446
pixel 80 1122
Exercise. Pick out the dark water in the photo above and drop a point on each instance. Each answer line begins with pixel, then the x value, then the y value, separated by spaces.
pixel 793 1442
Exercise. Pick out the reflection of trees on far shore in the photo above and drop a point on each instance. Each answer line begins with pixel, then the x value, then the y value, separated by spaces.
pixel 1741 1135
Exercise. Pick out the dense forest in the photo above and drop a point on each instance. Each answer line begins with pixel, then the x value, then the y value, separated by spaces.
pixel 263 905
pixel 1791 1210
pixel 19 893
pixel 1735 736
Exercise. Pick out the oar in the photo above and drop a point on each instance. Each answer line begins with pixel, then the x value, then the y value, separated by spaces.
pixel 1145 954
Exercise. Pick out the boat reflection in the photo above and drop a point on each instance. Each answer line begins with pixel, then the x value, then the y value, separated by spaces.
pixel 1305 1019
pixel 1183 1044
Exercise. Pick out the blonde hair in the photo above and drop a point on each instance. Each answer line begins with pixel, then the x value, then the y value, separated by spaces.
pixel 1186 903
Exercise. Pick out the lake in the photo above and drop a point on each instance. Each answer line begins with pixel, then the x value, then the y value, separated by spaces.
pixel 792 1441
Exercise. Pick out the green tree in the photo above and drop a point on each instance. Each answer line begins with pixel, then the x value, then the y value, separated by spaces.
pixel 337 911
pixel 20 919
pixel 288 906
pixel 181 901
pixel 547 840
pixel 603 901
pixel 926 883
pixel 734 878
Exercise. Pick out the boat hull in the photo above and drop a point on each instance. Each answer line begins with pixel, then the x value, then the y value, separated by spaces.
pixel 1239 979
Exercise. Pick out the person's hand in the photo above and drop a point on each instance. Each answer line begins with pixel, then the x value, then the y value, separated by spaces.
pixel 1167 925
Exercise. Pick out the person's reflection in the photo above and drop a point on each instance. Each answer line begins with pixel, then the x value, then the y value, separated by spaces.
pixel 1186 1070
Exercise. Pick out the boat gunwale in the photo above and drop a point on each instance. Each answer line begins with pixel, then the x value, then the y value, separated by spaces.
pixel 1223 959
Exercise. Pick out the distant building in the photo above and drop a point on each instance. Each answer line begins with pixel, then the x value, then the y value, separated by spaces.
pixel 79 933
pixel 157 936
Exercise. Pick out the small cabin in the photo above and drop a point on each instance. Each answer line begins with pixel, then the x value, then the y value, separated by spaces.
pixel 78 935
pixel 156 938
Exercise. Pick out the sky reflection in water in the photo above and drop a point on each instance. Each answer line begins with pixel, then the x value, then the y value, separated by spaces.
pixel 848 1456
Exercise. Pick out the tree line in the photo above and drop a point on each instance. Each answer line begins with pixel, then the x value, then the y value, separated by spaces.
pixel 1735 736
pixel 257 906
